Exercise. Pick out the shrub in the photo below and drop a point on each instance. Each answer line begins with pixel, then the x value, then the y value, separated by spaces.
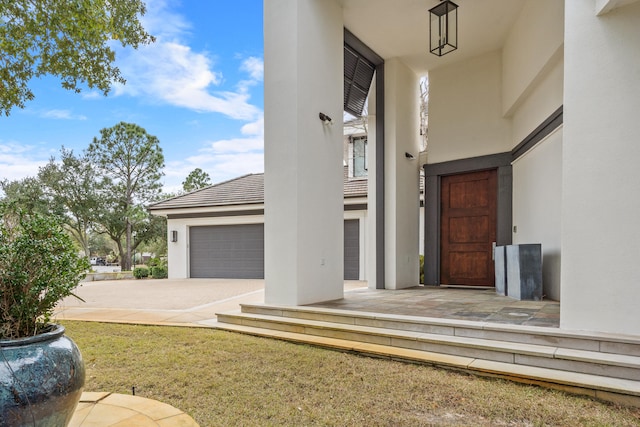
pixel 159 272
pixel 422 269
pixel 154 262
pixel 39 266
pixel 140 272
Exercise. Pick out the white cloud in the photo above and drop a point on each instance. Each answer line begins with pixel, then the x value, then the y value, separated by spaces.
pixel 62 115
pixel 169 71
pixel 222 159
pixel 159 20
pixel 94 94
pixel 255 67
pixel 254 128
pixel 220 167
pixel 20 161
pixel 236 145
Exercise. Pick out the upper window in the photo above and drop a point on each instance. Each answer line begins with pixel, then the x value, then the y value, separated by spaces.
pixel 358 155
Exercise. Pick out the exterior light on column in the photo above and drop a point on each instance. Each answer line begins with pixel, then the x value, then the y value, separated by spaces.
pixel 443 28
pixel 325 119
pixel 174 236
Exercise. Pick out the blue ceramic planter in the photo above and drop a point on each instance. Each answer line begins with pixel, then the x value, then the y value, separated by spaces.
pixel 41 379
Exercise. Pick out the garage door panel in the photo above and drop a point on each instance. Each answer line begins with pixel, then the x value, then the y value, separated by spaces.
pixel 352 249
pixel 227 251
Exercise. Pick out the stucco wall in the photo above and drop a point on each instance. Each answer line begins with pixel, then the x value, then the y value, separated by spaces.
pixel 601 179
pixel 533 44
pixel 545 98
pixel 465 110
pixel 537 176
pixel 537 197
pixel 401 176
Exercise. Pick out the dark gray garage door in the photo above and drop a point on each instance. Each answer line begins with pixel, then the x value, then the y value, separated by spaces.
pixel 227 251
pixel 352 249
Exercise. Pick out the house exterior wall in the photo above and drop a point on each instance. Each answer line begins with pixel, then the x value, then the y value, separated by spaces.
pixel 533 70
pixel 535 39
pixel 537 198
pixel 601 183
pixel 465 110
pixel 401 176
pixel 541 101
pixel 303 157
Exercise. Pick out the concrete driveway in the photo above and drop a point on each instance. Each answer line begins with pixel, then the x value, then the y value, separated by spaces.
pixel 179 302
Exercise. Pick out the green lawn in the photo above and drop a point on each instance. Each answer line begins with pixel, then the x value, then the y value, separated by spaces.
pixel 226 379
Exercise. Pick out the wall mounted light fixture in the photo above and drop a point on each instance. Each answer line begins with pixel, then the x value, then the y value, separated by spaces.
pixel 443 28
pixel 325 119
pixel 174 236
pixel 409 156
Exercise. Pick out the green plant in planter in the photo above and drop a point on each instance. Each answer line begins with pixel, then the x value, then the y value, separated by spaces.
pixel 41 370
pixel 39 266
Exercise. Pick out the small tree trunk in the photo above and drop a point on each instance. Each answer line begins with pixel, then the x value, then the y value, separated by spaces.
pixel 126 262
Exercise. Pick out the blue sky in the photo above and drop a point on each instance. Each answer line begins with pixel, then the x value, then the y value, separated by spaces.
pixel 199 89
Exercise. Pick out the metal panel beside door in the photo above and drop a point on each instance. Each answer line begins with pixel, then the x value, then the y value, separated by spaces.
pixel 227 251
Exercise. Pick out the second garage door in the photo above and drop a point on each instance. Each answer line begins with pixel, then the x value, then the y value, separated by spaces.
pixel 352 249
pixel 237 251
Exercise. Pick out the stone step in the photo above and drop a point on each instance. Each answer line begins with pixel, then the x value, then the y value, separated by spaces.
pixel 621 391
pixel 576 340
pixel 535 355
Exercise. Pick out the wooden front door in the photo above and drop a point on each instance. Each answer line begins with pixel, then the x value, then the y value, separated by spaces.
pixel 468 228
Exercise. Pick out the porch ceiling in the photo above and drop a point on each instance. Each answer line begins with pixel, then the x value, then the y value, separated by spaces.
pixel 400 28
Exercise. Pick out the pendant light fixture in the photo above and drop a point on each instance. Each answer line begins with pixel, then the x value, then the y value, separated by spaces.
pixel 443 28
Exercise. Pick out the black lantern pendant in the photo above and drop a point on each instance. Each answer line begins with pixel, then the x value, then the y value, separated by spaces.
pixel 443 28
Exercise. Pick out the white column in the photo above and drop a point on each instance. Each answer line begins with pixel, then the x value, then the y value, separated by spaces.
pixel 402 110
pixel 600 286
pixel 303 156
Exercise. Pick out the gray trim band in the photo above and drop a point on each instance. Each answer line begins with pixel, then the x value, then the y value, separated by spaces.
pixel 380 202
pixel 362 48
pixel 549 125
pixel 472 164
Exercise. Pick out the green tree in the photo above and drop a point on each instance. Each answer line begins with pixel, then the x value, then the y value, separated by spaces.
pixel 28 195
pixel 73 185
pixel 131 162
pixel 100 244
pixel 69 39
pixel 196 180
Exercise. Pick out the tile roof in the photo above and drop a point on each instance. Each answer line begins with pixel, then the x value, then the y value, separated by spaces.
pixel 247 189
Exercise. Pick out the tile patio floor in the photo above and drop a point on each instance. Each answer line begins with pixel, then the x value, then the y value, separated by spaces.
pixel 450 303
